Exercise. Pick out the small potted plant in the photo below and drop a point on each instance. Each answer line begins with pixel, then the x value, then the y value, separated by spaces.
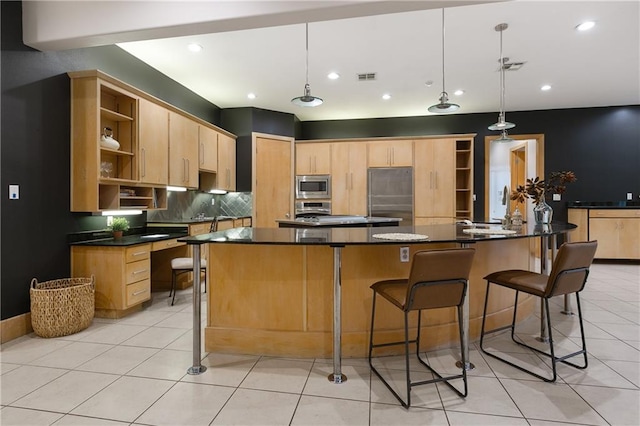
pixel 536 189
pixel 118 226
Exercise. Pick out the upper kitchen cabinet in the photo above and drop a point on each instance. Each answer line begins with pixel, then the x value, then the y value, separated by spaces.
pixel 208 150
pixel 392 153
pixel 154 143
pixel 349 178
pixel 313 158
pixel 183 151
pixel 226 176
pixel 105 174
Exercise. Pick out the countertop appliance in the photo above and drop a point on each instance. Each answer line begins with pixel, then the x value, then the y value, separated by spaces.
pixel 313 187
pixel 312 208
pixel 390 193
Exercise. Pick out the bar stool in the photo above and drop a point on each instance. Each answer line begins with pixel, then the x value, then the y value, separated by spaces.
pixel 438 279
pixel 182 265
pixel 568 275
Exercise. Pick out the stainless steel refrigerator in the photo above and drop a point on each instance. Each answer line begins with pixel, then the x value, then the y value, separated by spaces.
pixel 390 193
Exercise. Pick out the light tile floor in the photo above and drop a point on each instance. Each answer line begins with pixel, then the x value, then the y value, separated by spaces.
pixel 133 371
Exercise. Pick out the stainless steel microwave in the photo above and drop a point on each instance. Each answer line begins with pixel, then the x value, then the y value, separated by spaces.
pixel 313 186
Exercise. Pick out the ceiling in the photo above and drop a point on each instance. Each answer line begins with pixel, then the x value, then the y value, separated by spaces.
pixel 600 67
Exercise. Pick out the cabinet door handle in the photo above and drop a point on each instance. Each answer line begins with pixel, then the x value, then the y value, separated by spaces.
pixel 352 181
pixel 430 180
pixel 139 292
pixel 140 271
pixel 310 165
pixel 346 181
pixel 188 169
pixel 144 162
pixel 436 180
pixel 393 155
pixel 139 253
pixel 201 153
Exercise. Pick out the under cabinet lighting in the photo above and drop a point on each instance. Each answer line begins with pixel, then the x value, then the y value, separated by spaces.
pixel 176 188
pixel 128 212
pixel 218 191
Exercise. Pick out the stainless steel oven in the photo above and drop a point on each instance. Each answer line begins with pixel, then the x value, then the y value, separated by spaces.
pixel 312 208
pixel 313 187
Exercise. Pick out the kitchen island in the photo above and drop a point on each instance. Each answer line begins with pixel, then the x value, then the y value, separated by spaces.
pixel 273 291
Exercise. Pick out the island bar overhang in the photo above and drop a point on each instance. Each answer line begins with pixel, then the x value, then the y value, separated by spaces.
pixel 276 298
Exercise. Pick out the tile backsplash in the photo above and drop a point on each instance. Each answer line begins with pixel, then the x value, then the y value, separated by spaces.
pixel 189 204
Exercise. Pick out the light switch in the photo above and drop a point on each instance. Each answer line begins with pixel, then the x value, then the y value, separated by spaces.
pixel 14 192
pixel 557 197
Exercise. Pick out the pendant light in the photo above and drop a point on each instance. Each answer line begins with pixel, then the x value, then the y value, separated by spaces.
pixel 307 100
pixel 501 124
pixel 504 138
pixel 444 106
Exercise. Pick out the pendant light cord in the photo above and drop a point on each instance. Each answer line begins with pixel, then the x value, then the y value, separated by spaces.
pixel 501 76
pixel 306 25
pixel 443 86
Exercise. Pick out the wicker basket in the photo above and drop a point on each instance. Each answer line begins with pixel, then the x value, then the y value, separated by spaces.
pixel 62 307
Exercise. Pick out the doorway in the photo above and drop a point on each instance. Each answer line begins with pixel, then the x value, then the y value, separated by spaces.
pixel 507 165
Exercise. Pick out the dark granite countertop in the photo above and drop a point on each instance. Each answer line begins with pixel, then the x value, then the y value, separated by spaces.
pixel 335 221
pixel 603 205
pixel 131 240
pixel 341 236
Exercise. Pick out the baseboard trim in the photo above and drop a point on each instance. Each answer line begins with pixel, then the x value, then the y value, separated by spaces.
pixel 14 327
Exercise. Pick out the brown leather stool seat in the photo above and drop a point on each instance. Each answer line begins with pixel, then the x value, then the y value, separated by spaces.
pixel 568 275
pixel 438 279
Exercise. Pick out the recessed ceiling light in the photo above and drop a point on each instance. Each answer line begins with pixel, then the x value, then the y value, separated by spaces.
pixel 333 76
pixel 459 92
pixel 194 47
pixel 251 95
pixel 386 96
pixel 545 87
pixel 585 26
pixel 428 83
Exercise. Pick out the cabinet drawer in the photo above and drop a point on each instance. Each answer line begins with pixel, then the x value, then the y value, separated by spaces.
pixel 166 244
pixel 225 224
pixel 614 213
pixel 135 253
pixel 200 228
pixel 138 292
pixel 137 271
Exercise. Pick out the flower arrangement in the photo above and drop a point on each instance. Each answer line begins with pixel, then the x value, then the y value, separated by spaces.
pixel 119 224
pixel 537 188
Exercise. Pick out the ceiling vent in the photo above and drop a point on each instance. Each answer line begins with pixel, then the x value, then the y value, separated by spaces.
pixel 367 76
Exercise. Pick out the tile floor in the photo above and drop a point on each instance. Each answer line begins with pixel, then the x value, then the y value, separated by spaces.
pixel 133 371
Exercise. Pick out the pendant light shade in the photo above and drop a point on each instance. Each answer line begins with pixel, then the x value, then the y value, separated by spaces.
pixel 504 137
pixel 501 124
pixel 307 100
pixel 444 106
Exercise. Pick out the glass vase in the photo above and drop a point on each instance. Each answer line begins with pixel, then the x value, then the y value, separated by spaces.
pixel 543 212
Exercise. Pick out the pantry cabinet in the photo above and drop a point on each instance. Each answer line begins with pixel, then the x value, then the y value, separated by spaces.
pixel 434 178
pixel 349 178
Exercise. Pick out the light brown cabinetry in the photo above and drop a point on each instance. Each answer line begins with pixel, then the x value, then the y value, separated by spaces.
pixel 313 158
pixel 434 179
pixel 617 232
pixel 183 151
pixel 349 178
pixel 154 143
pixel 394 153
pixel 104 178
pixel 123 275
pixel 208 149
pixel 226 176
